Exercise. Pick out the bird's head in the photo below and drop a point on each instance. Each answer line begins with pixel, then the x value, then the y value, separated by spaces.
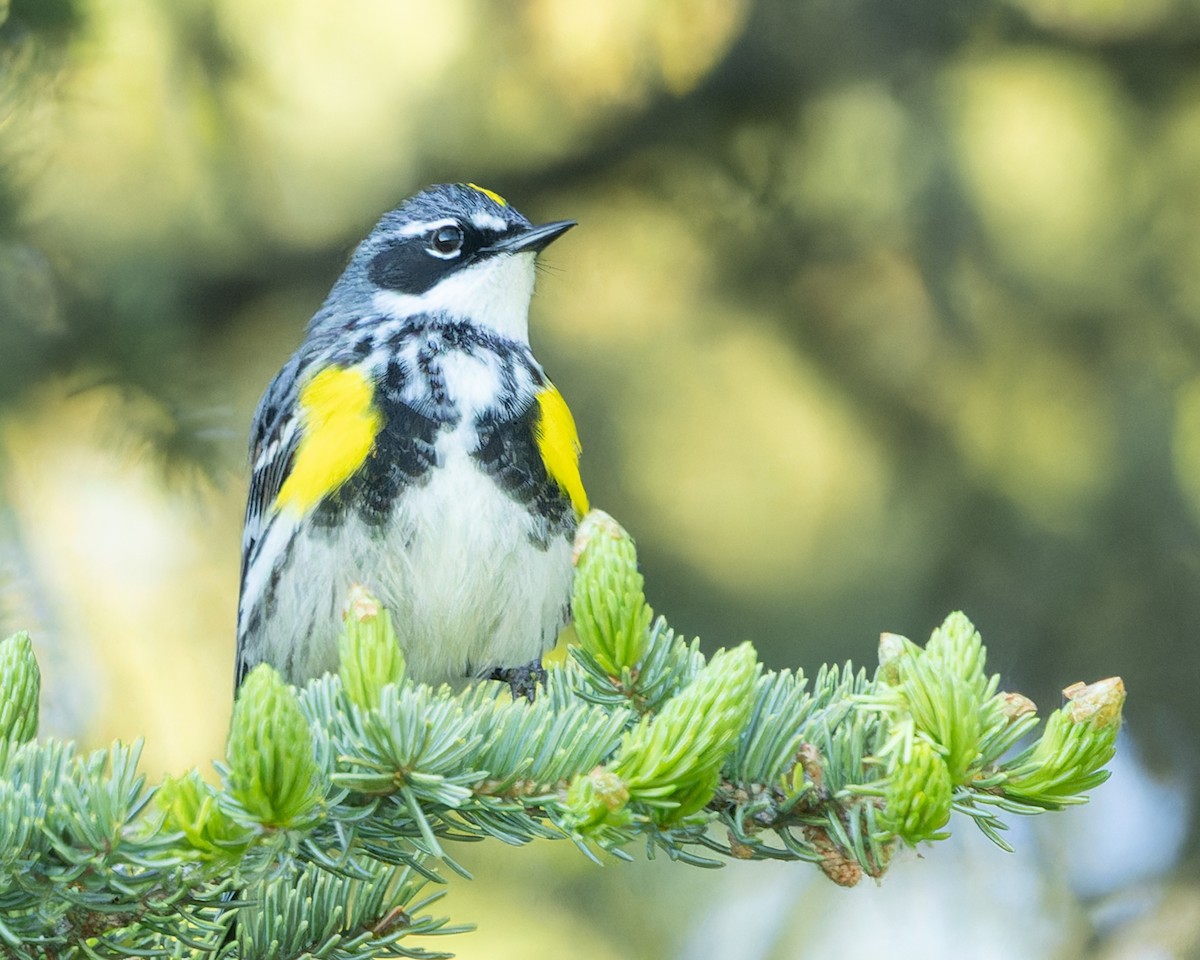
pixel 454 250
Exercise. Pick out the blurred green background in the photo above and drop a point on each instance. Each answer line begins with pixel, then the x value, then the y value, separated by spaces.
pixel 878 309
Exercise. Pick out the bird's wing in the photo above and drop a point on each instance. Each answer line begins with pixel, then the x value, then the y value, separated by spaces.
pixel 274 437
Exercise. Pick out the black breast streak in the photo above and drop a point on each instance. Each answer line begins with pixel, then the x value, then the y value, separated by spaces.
pixel 509 390
pixel 402 456
pixel 428 362
pixel 509 454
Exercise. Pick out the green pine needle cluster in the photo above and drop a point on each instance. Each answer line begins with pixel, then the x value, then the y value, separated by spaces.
pixel 339 804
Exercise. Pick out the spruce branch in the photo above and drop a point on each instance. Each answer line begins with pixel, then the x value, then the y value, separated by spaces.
pixel 339 804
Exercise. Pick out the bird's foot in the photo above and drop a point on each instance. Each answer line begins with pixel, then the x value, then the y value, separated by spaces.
pixel 523 680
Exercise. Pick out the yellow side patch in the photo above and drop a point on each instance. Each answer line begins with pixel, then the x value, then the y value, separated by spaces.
pixel 558 443
pixel 338 426
pixel 489 193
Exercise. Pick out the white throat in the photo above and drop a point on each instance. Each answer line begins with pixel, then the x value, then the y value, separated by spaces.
pixel 493 293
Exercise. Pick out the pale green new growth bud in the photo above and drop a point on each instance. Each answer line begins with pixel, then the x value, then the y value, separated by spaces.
pixel 273 774
pixel 1078 741
pixel 945 688
pixel 893 649
pixel 609 606
pixel 598 798
pixel 191 808
pixel 20 689
pixel 918 797
pixel 672 759
pixel 958 649
pixel 369 654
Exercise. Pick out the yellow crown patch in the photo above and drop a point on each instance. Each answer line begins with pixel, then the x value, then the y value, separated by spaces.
pixel 489 193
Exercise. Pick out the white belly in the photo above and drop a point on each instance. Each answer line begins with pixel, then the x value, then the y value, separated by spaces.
pixel 467 588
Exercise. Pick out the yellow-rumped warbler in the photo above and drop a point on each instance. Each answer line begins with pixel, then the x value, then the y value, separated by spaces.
pixel 413 445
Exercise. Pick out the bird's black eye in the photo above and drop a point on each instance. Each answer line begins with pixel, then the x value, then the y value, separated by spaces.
pixel 446 241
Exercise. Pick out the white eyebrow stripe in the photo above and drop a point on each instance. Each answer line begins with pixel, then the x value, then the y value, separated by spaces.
pixel 425 226
pixel 488 221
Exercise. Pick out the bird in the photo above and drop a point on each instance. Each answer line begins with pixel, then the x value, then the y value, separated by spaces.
pixel 414 446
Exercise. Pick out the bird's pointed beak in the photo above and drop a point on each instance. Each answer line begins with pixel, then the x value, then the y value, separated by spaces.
pixel 533 238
